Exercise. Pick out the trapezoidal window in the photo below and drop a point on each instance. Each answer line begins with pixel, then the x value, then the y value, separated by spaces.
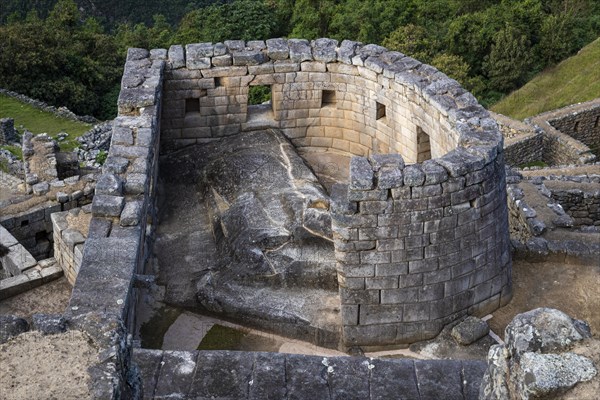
pixel 327 98
pixel 259 102
pixel 379 111
pixel 423 146
pixel 192 104
pixel 576 127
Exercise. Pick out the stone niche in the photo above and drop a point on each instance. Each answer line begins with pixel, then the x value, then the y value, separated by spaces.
pixel 420 223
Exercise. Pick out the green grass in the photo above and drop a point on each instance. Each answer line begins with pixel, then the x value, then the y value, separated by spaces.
pixel 533 164
pixel 16 150
pixel 38 121
pixel 576 79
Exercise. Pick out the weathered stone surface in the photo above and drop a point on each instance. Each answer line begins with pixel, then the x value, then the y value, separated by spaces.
pixel 534 363
pixel 48 324
pixel 544 330
pixel 109 184
pixel 361 174
pixel 470 330
pixel 545 375
pixel 414 175
pixel 107 205
pixel 197 56
pixel 41 188
pixel 131 214
pixel 277 49
pixel 11 326
pixel 249 57
pixel 324 50
pixel 300 50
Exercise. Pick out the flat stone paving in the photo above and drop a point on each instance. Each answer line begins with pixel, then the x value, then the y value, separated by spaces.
pixel 257 375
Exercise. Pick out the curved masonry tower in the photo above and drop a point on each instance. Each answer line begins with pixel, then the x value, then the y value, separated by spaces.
pixel 420 229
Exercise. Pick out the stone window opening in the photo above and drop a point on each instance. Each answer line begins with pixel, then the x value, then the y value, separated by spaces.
pixel 259 102
pixel 423 145
pixel 328 98
pixel 192 105
pixel 597 122
pixel 380 110
pixel 218 82
pixel 576 128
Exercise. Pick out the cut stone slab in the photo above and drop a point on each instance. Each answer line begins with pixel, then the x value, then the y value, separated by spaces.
pixel 470 330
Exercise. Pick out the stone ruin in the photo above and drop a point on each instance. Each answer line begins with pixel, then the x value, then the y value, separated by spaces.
pixel 370 182
pixel 8 134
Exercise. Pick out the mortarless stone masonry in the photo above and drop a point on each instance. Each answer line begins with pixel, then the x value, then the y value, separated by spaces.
pixel 417 246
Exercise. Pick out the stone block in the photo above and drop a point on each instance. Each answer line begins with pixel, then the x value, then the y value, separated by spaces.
pixel 72 237
pixel 416 312
pixel 249 57
pixel 300 50
pixel 413 175
pixel 361 174
pixel 349 296
pixel 277 49
pixel 109 184
pixel 48 324
pixel 469 330
pixel 324 50
pixel 131 214
pixel 107 205
pixel 380 314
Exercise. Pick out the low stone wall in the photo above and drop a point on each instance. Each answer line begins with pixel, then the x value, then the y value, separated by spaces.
pixel 18 259
pixel 258 376
pixel 580 121
pixel 70 231
pixel 7 131
pixel 33 227
pixel 536 139
pixel 583 205
pixel 522 143
pixel 118 242
pixel 58 111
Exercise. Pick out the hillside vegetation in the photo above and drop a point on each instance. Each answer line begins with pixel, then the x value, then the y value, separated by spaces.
pixel 575 80
pixel 38 121
pixel 71 53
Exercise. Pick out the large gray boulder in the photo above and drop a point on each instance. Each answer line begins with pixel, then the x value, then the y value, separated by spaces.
pixel 538 361
pixel 270 221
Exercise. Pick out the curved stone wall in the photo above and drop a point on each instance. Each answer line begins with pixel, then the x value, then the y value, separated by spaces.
pixel 354 99
pixel 417 246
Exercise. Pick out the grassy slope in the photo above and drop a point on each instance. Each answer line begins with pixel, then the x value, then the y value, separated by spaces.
pixel 38 121
pixel 576 79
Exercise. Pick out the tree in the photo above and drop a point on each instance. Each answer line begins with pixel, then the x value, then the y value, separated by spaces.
pixel 456 68
pixel 241 19
pixel 556 38
pixel 412 40
pixel 509 59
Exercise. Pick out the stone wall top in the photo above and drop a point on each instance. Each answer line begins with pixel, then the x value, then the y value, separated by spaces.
pixel 474 131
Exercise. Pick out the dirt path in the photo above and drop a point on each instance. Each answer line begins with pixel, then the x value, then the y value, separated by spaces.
pixel 33 366
pixel 573 289
pixel 51 298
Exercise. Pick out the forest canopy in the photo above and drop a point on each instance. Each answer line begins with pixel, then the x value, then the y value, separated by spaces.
pixel 72 53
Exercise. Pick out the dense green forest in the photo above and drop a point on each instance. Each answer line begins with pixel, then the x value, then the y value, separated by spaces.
pixel 72 53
